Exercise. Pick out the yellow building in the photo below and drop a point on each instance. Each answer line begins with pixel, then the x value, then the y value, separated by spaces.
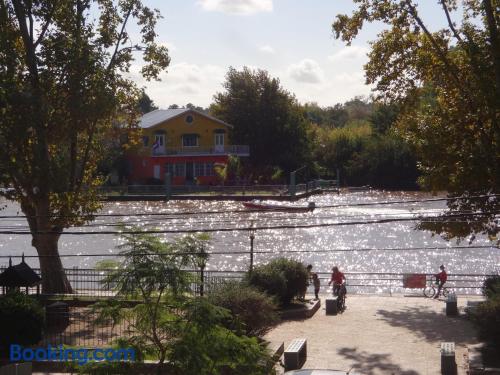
pixel 183 142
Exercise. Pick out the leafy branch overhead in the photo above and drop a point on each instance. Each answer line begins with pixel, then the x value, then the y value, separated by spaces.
pixel 447 82
pixel 64 88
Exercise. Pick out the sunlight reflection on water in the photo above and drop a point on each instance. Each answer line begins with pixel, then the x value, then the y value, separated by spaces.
pixel 299 244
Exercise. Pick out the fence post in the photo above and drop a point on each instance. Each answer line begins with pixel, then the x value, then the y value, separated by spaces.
pixel 202 281
pixel 168 186
pixel 292 187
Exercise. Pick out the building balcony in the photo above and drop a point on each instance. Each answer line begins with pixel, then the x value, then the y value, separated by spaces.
pixel 238 150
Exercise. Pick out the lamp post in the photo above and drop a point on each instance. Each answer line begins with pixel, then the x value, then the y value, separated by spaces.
pixel 252 237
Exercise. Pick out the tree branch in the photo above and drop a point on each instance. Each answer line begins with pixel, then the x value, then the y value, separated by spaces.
pixel 450 22
pixel 494 45
pixel 120 36
pixel 48 20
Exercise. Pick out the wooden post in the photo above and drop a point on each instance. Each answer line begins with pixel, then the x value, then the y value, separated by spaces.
pixel 168 186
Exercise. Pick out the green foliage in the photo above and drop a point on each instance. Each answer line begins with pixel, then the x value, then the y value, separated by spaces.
pixel 447 82
pixel 64 88
pixel 22 320
pixel 383 161
pixel 205 347
pixel 145 103
pixel 491 287
pixel 265 116
pixel 152 271
pixel 281 277
pixel 253 309
pixel 487 315
pixel 167 324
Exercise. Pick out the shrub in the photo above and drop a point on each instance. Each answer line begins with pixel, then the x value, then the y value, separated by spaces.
pixel 248 306
pixel 283 278
pixel 487 315
pixel 491 286
pixel 206 347
pixel 21 320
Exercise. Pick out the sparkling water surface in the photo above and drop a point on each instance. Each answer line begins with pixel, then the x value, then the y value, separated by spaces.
pixel 321 246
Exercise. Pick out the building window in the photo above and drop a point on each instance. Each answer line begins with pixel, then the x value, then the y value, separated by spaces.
pixel 180 169
pixel 145 141
pixel 199 169
pixel 209 169
pixel 190 140
pixel 189 119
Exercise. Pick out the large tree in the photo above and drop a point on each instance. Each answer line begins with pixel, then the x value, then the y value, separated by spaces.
pixel 448 83
pixel 265 116
pixel 63 68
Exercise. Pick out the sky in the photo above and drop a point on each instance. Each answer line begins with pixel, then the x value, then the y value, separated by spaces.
pixel 291 39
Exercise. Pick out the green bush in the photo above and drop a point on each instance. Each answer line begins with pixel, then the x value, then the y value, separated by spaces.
pixel 487 315
pixel 207 347
pixel 253 309
pixel 283 278
pixel 21 320
pixel 491 286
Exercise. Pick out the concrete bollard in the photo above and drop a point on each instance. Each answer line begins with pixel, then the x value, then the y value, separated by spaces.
pixel 451 305
pixel 295 355
pixel 448 363
pixel 331 306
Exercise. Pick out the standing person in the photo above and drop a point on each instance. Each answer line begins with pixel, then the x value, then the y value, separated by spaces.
pixel 317 285
pixel 337 279
pixel 441 278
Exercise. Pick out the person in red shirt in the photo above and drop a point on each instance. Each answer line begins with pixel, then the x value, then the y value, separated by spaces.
pixel 441 278
pixel 337 280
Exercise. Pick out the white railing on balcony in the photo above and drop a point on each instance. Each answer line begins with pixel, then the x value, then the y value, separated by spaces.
pixel 240 150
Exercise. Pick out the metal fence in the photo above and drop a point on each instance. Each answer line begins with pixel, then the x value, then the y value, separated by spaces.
pixel 76 327
pixel 89 282
pixel 242 189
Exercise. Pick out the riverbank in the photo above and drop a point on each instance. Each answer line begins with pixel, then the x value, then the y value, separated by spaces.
pixel 381 335
pixel 210 197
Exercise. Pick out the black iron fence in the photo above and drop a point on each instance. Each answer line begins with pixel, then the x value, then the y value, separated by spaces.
pixel 90 282
pixel 194 189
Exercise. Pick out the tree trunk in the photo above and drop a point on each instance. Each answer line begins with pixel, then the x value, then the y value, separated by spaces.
pixel 54 278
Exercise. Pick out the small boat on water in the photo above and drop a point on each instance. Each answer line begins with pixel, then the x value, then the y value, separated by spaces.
pixel 278 207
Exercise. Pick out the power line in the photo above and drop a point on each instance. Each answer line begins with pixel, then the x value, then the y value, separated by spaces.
pixel 256 228
pixel 261 252
pixel 278 210
pixel 156 221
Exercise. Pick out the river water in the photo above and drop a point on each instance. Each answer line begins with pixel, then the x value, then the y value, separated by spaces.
pixel 355 248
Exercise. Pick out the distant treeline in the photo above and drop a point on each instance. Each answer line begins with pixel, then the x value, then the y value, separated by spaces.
pixel 358 138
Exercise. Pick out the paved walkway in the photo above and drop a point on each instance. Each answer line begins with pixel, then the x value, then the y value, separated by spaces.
pixel 381 335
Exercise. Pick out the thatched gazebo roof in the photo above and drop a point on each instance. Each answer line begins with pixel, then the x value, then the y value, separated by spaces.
pixel 19 275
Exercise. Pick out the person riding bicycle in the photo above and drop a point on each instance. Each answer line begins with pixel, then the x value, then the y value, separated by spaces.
pixel 441 278
pixel 337 279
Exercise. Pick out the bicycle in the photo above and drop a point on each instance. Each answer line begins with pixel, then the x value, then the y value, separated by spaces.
pixel 430 290
pixel 341 293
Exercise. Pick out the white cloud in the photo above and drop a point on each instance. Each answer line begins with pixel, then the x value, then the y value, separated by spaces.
pixel 171 46
pixel 267 49
pixel 306 71
pixel 183 83
pixel 349 53
pixel 240 7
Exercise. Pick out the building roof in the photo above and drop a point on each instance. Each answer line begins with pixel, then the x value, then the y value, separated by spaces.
pixel 19 275
pixel 161 115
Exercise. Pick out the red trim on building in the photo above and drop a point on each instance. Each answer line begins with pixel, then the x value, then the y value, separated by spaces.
pixel 142 168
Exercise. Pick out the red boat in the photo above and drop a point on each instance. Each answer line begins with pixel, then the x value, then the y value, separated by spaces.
pixel 278 207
